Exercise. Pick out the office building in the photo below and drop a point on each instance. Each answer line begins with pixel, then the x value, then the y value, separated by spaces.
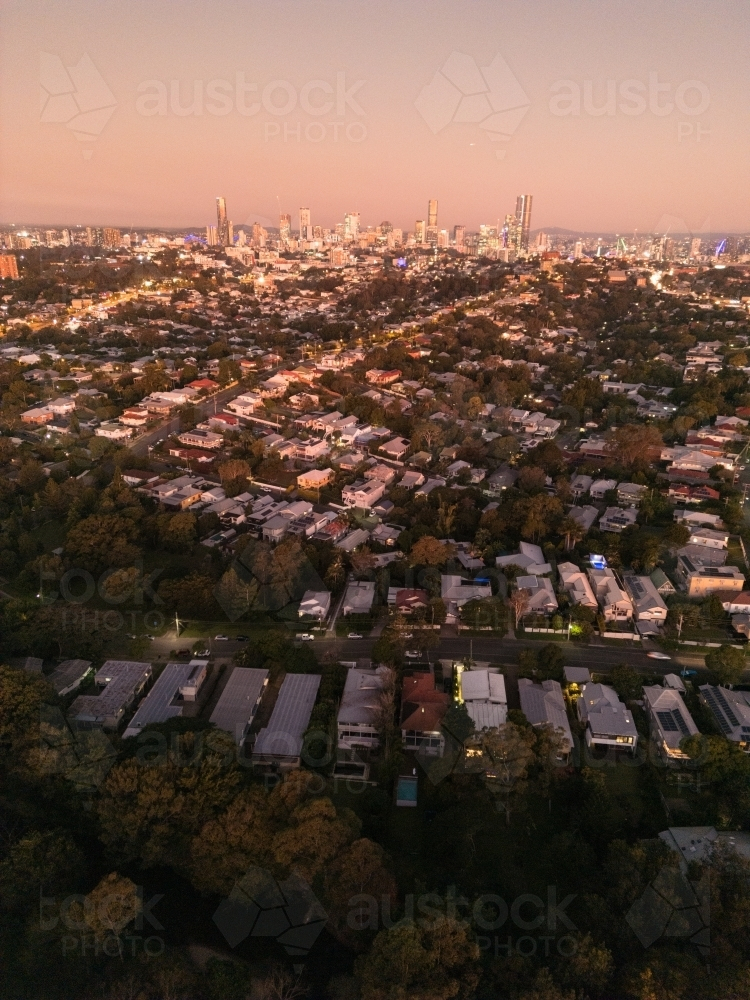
pixel 351 225
pixel 8 266
pixel 523 217
pixel 420 231
pixel 222 223
pixel 432 206
pixel 305 225
pixel 211 236
pixel 459 236
pixel 285 227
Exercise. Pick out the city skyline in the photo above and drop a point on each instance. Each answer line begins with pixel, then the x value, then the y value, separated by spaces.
pixel 615 117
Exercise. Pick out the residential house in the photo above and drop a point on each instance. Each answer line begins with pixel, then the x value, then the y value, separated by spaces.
pixel 483 693
pixel 69 675
pixel 358 720
pixel 456 591
pixel 201 439
pixel 576 585
pixel 529 558
pixel 541 596
pixel 669 720
pixel 315 479
pixel 239 701
pixel 580 485
pixel 315 604
pixel 279 744
pixel 631 493
pixel 662 583
pixel 586 516
pixel 616 519
pixel 396 448
pixel 648 604
pixel 363 493
pixel 358 598
pixel 614 602
pixel 544 705
pixel 422 711
pixel 699 581
pixel 709 537
pixel 166 698
pixel 608 722
pixel 121 682
pixel 731 710
pixel 598 489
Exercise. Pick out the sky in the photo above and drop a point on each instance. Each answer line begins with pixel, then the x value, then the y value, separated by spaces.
pixel 616 115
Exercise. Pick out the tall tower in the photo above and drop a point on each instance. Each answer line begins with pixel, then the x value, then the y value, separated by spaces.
pixel 351 225
pixel 285 227
pixel 523 217
pixel 432 212
pixel 305 225
pixel 222 223
pixel 420 231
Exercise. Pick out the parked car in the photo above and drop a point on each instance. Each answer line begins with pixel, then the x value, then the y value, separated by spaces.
pixel 354 635
pixel 221 638
pixel 411 654
pixel 305 637
pixel 202 652
pixel 658 656
pixel 242 638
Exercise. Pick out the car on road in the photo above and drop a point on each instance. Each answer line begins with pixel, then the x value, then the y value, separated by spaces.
pixel 242 638
pixel 408 635
pixel 305 637
pixel 355 635
pixel 202 652
pixel 658 656
pixel 221 638
pixel 411 654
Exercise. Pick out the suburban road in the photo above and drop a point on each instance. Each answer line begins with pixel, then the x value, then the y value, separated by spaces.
pixel 172 426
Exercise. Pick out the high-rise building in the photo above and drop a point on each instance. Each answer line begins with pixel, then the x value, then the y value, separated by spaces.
pixel 385 228
pixel 230 233
pixel 432 206
pixel 351 225
pixel 211 236
pixel 285 227
pixel 8 266
pixel 259 235
pixel 459 236
pixel 523 215
pixel 112 238
pixel 222 223
pixel 511 234
pixel 695 247
pixel 578 251
pixel 305 225
pixel 443 239
pixel 420 231
pixel 241 238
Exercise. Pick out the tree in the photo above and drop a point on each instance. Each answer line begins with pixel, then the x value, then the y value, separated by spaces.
pixel 102 540
pixel 540 511
pixel 109 908
pixel 430 551
pixel 532 479
pixel 508 752
pixel 572 531
pixel 519 602
pixel 359 870
pixel 727 663
pixel 434 962
pixel 21 695
pixel 626 681
pixel 446 518
pixel 178 531
pixel 635 445
pixel 316 835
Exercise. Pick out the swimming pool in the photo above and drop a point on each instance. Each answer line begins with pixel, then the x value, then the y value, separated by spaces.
pixel 406 791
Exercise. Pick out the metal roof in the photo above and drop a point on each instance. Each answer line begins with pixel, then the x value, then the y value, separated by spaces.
pixel 156 706
pixel 282 737
pixel 239 700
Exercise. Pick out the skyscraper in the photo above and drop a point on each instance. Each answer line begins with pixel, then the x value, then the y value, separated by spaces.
pixel 432 212
pixel 459 236
pixel 222 223
pixel 211 236
pixel 351 225
pixel 420 231
pixel 285 227
pixel 305 225
pixel 523 217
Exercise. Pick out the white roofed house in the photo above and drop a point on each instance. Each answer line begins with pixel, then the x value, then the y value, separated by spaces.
pixel 358 718
pixel 670 721
pixel 542 598
pixel 483 693
pixel 648 604
pixel 456 591
pixel 608 721
pixel 529 558
pixel 616 519
pixel 613 601
pixel 586 516
pixel 576 585
pixel 544 705
pixel 315 604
